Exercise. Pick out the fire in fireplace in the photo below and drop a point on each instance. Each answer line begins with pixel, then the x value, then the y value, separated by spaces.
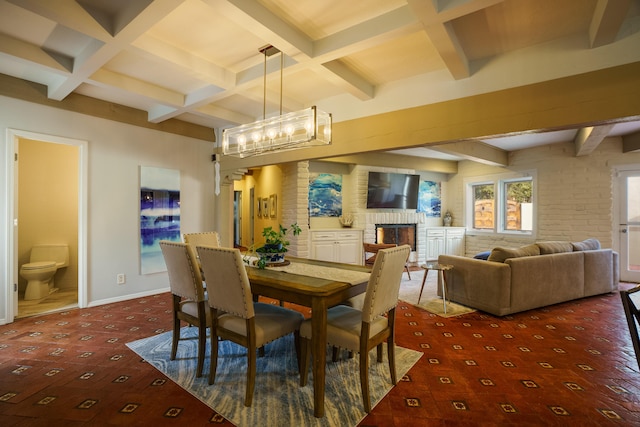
pixel 399 234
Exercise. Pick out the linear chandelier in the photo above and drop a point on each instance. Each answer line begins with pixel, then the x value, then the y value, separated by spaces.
pixel 299 129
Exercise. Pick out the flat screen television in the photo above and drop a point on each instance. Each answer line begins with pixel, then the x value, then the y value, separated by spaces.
pixel 392 191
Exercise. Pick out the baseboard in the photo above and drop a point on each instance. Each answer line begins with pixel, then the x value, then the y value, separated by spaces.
pixel 128 297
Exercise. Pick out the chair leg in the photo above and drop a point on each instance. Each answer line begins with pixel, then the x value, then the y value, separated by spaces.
pixel 202 343
pixel 379 352
pixel 364 380
pixel 214 356
pixel 176 327
pixel 391 350
pixel 176 337
pixel 305 356
pixel 334 354
pixel 251 375
pixel 406 267
pixel 391 345
pixel 296 341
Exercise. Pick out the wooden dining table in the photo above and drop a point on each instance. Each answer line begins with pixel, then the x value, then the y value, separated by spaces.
pixel 315 292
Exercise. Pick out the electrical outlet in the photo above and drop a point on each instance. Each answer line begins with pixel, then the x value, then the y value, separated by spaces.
pixel 121 279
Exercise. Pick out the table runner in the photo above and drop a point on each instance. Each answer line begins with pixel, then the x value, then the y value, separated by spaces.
pixel 323 272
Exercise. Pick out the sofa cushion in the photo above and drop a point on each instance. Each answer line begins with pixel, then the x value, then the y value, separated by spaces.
pixel 586 245
pixel 554 247
pixel 501 254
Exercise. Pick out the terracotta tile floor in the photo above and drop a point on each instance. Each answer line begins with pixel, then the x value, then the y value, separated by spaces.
pixel 569 364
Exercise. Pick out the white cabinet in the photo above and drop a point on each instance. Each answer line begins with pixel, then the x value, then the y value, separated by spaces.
pixel 336 245
pixel 444 241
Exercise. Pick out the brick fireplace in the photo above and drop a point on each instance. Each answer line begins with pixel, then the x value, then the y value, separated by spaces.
pixel 399 234
pixel 416 221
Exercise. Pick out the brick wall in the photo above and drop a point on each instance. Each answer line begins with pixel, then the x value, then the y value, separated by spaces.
pixel 574 194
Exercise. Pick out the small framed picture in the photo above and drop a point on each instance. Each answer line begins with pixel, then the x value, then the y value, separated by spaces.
pixel 265 207
pixel 273 205
pixel 259 212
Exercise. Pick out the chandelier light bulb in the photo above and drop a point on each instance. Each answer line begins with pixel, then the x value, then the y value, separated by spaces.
pixel 289 130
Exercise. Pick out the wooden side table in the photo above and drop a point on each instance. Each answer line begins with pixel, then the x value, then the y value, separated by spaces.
pixel 440 268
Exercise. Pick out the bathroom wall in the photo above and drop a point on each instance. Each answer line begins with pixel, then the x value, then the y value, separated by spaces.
pixel 48 204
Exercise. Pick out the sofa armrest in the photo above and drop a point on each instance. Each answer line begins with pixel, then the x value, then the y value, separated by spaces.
pixel 484 285
pixel 601 272
pixel 616 269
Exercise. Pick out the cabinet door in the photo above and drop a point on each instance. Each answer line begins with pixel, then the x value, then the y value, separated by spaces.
pixel 455 244
pixel 435 247
pixel 348 252
pixel 435 243
pixel 323 250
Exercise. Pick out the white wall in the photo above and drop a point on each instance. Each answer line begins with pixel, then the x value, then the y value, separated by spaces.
pixel 115 153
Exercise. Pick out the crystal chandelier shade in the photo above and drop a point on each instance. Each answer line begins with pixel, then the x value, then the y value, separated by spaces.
pixel 299 129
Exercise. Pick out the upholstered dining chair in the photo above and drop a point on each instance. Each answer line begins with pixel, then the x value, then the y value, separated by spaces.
pixel 205 238
pixel 189 299
pixel 631 305
pixel 234 314
pixel 361 330
pixel 371 250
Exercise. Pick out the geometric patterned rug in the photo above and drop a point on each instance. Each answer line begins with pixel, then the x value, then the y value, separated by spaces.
pixel 278 399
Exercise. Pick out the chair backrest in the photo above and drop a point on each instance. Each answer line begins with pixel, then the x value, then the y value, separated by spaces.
pixel 207 238
pixel 384 282
pixel 631 305
pixel 185 279
pixel 230 291
pixel 373 248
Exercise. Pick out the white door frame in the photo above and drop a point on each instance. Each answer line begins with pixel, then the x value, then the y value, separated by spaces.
pixel 11 276
pixel 619 201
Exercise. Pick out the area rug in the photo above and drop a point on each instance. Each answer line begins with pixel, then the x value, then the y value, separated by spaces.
pixel 430 301
pixel 278 398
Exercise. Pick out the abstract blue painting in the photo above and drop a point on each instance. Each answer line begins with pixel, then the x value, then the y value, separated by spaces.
pixel 325 194
pixel 429 198
pixel 159 215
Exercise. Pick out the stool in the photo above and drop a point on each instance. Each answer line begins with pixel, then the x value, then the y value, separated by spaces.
pixel 440 268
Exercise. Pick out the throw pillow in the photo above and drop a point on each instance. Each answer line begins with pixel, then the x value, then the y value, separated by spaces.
pixel 586 245
pixel 501 254
pixel 554 247
pixel 482 255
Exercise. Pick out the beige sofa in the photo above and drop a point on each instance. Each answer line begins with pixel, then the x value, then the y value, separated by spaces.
pixel 537 275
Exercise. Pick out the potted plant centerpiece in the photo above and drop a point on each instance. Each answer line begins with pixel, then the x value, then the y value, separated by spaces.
pixel 275 245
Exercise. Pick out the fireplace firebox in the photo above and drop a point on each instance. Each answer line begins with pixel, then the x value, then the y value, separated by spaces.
pixel 399 234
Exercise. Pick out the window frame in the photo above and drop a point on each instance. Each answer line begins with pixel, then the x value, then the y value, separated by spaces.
pixel 499 183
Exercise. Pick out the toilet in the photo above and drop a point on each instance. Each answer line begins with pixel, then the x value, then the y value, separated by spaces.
pixel 43 263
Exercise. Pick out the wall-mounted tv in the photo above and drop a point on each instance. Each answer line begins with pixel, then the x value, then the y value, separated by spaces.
pixel 392 191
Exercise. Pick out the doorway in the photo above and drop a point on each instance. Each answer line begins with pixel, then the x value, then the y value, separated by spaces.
pixel 627 223
pixel 46 209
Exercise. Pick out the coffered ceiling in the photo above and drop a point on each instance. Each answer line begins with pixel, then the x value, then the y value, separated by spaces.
pixel 198 60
